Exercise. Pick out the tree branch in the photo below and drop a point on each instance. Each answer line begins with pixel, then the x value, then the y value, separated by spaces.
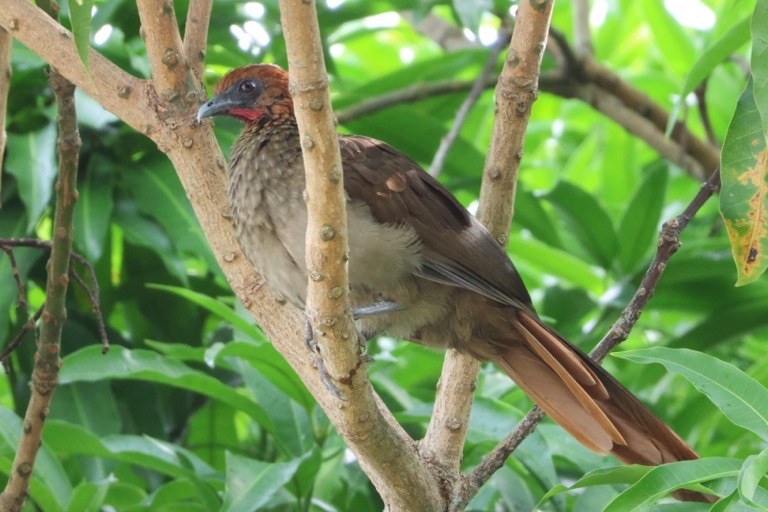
pixel 196 34
pixel 117 91
pixel 386 454
pixel 167 59
pixel 6 42
pixel 516 91
pixel 45 376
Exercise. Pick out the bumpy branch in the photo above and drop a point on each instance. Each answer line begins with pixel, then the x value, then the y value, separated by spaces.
pixel 385 451
pixel 45 376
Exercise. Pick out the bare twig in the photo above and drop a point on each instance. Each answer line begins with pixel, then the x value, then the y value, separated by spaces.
pixel 701 101
pixel 415 92
pixel 92 290
pixel 28 326
pixel 22 293
pixel 45 376
pixel 669 242
pixel 477 89
pixel 196 34
pixel 94 294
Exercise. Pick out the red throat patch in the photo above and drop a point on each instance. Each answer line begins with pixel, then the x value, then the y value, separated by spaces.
pixel 247 115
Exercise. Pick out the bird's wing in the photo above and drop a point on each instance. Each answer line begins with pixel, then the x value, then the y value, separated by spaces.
pixel 457 250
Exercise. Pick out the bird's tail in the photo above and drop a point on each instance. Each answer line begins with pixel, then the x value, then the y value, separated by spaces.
pixel 588 402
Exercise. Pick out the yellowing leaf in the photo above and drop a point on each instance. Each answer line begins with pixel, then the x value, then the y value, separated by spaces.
pixel 744 195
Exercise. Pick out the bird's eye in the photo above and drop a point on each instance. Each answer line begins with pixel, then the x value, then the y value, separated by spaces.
pixel 247 86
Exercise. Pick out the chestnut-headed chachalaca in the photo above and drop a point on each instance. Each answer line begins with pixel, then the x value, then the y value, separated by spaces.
pixel 439 278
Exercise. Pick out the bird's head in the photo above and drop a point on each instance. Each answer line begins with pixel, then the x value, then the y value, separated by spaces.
pixel 257 95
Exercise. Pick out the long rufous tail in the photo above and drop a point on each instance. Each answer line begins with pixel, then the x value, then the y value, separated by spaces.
pixel 588 402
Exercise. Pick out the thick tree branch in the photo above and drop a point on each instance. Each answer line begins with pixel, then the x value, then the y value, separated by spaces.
pixel 196 34
pixel 167 59
pixel 385 453
pixel 45 376
pixel 516 91
pixel 117 91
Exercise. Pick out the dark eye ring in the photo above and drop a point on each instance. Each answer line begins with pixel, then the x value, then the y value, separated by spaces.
pixel 247 86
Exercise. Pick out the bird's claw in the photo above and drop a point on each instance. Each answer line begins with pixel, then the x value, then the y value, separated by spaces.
pixel 325 378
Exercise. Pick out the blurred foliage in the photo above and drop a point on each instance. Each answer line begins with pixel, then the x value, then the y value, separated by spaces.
pixel 194 410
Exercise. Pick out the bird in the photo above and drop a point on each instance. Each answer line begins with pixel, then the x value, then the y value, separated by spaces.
pixel 421 268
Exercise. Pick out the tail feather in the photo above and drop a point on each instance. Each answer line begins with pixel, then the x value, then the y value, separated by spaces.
pixel 588 402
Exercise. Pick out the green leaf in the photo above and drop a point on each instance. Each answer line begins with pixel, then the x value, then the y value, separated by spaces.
pixel 90 404
pixel 555 262
pixel 587 220
pixel 754 470
pixel 251 483
pixel 93 211
pixel 88 496
pixel 530 214
pixel 669 36
pixel 50 487
pixel 639 224
pixel 88 364
pixel 744 191
pixel 717 53
pixel 123 496
pixel 273 366
pixel 159 195
pixel 663 480
pixel 153 454
pixel 144 232
pixel 603 476
pixel 741 398
pixel 184 494
pixel 80 18
pixel 31 159
pixel 216 307
pixel 471 12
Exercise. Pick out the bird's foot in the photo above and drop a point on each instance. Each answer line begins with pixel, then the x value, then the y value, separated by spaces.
pixel 376 308
pixel 326 379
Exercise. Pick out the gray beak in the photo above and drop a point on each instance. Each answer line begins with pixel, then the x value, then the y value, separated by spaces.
pixel 218 105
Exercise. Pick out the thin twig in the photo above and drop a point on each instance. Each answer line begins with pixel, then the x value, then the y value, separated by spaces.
pixel 477 89
pixel 410 94
pixel 22 302
pixel 93 291
pixel 94 294
pixel 28 326
pixel 701 101
pixel 669 242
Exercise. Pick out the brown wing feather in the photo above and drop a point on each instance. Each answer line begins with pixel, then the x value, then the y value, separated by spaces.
pixel 462 253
